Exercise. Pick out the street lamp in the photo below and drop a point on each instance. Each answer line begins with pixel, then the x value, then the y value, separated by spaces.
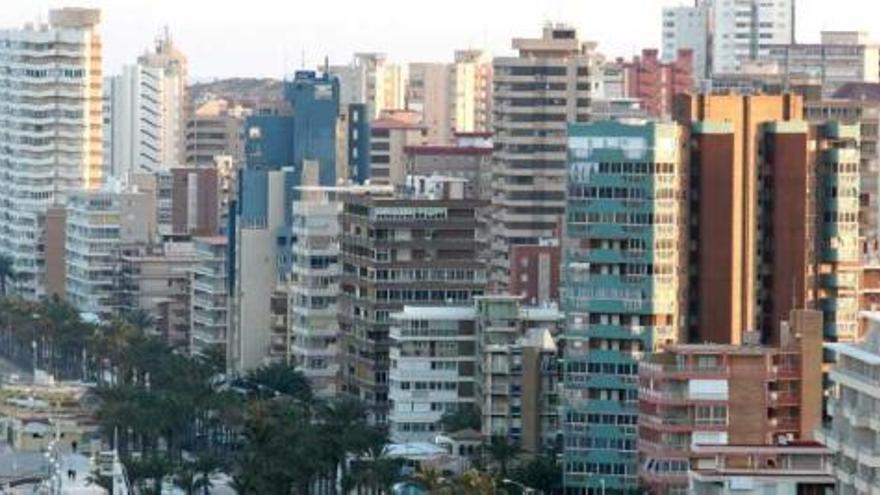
pixel 521 486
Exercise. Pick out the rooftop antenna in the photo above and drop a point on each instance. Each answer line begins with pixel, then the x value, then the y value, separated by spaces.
pixel 303 63
pixel 326 64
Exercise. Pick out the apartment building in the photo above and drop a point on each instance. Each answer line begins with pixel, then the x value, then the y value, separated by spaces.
pixel 470 84
pixel 622 265
pixel 214 128
pixel 428 93
pixel 415 248
pixel 796 185
pixel 145 113
pixel 854 107
pixel 313 290
pixel 155 279
pixel 721 395
pixel 101 226
pixel 745 30
pixel 433 358
pixel 371 79
pixel 839 58
pixel 471 162
pixel 688 28
pixel 655 82
pixel 536 95
pixel 209 296
pixel 39 168
pixel 390 136
pixel 853 433
pixel 518 371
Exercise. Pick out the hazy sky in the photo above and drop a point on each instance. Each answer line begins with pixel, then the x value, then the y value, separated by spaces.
pixel 269 37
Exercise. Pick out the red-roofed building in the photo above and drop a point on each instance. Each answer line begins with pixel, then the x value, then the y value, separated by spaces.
pixel 655 82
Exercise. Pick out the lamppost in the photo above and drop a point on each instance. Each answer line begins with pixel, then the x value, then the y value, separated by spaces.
pixel 525 489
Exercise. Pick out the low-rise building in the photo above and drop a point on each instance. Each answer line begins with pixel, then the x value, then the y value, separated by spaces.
pixel 694 395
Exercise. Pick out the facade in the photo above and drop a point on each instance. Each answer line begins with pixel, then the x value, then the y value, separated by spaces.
pixel 804 173
pixel 865 113
pixel 172 63
pixel 214 128
pixel 688 28
pixel 258 250
pixel 389 138
pixel 623 256
pixel 101 226
pixel 39 168
pixel 470 83
pixel 372 80
pixel 744 30
pixel 534 271
pixel 156 279
pixel 313 290
pixel 710 395
pixel 133 125
pixel 209 296
pixel 853 431
pixel 795 467
pixel 397 250
pixel 656 82
pixel 432 359
pixel 468 162
pixel 536 94
pixel 518 371
pixel 428 93
pixel 841 57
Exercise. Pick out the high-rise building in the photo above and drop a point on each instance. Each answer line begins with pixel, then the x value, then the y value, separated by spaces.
pixel 313 289
pixel 214 128
pixel 471 91
pixel 145 109
pixel 536 95
pixel 372 80
pixel 175 98
pixel 655 83
pixel 390 137
pixel 623 260
pixel 428 93
pixel 774 204
pixel 688 28
pixel 41 164
pixel 209 297
pixel 416 248
pixel 133 125
pixel 744 30
pixel 726 395
pixel 853 105
pixel 101 227
pixel 518 371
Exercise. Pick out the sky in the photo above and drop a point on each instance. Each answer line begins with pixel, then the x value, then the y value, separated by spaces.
pixel 271 38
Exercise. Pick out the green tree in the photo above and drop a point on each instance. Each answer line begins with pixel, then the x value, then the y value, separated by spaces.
pixel 7 273
pixel 467 417
pixel 502 451
pixel 541 473
pixel 283 379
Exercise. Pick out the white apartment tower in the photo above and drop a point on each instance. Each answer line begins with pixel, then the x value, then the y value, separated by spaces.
pixel 536 95
pixel 743 30
pixel 371 79
pixel 688 28
pixel 471 91
pixel 313 288
pixel 50 122
pixel 145 113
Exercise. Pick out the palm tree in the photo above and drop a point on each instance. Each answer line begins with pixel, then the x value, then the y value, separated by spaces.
pixel 430 479
pixel 7 272
pixel 475 482
pixel 502 451
pixel 283 379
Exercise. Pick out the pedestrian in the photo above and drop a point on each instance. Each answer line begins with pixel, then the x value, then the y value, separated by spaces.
pixel 73 445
